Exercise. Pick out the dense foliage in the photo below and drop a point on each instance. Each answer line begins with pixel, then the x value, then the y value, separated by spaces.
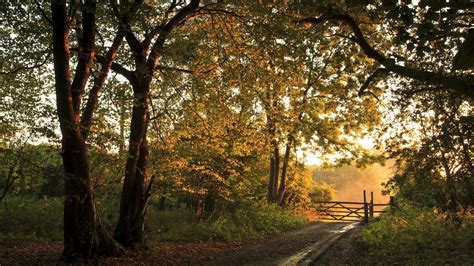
pixel 203 107
pixel 417 235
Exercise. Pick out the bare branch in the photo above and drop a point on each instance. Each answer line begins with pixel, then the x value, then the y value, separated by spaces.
pixel 36 65
pixel 43 13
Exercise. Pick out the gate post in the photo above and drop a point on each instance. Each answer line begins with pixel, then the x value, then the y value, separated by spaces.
pixel 392 204
pixel 371 204
pixel 366 210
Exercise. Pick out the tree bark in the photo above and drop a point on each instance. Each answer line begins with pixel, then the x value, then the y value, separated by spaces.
pixel 276 156
pixel 286 159
pixel 93 100
pixel 271 180
pixel 130 227
pixel 129 230
pixel 84 236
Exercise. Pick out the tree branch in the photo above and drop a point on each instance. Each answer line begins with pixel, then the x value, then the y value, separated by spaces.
pixel 86 54
pixel 43 13
pixel 462 85
pixel 37 64
pixel 182 15
pixel 93 99
pixel 372 77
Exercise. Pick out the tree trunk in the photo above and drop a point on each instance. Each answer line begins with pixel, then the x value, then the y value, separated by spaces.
pixel 276 155
pixel 162 203
pixel 84 236
pixel 130 228
pixel 142 194
pixel 286 159
pixel 199 208
pixel 274 163
pixel 271 180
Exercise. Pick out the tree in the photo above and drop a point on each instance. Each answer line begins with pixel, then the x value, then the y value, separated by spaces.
pixel 145 55
pixel 434 161
pixel 84 236
pixel 306 97
pixel 436 168
pixel 419 30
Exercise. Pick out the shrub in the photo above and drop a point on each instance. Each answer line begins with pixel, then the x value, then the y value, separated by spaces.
pixel 30 218
pixel 417 235
pixel 243 223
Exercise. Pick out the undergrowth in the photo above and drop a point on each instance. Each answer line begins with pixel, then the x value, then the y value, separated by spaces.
pixel 418 236
pixel 30 218
pixel 244 223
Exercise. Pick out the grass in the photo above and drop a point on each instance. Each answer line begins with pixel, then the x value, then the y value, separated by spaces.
pixel 419 236
pixel 245 223
pixel 30 218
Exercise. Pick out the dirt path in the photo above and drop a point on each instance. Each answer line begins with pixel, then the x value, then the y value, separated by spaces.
pixel 288 248
pixel 346 251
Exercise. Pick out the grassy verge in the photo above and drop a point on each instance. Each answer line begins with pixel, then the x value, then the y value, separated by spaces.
pixel 245 223
pixel 27 218
pixel 419 236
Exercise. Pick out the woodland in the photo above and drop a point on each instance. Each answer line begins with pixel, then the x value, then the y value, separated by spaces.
pixel 126 122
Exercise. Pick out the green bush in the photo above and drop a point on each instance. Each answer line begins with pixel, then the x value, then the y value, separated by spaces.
pixel 246 222
pixel 256 221
pixel 415 235
pixel 31 218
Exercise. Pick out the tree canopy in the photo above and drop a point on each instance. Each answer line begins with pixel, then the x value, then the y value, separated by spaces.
pixel 210 103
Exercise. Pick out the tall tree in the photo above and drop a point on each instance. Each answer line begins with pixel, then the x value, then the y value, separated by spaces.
pixel 84 236
pixel 145 55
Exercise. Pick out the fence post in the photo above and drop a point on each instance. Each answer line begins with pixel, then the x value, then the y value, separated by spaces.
pixel 371 204
pixel 392 204
pixel 366 210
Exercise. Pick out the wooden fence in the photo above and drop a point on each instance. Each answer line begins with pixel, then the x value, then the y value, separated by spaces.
pixel 351 211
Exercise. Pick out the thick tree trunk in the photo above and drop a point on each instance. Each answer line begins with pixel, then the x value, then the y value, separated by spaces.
pixel 130 227
pixel 142 194
pixel 129 230
pixel 84 236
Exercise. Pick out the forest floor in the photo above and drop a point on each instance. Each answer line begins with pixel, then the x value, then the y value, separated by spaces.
pixel 328 243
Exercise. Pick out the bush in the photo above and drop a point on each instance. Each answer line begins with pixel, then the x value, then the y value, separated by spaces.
pixel 416 235
pixel 30 218
pixel 322 192
pixel 246 222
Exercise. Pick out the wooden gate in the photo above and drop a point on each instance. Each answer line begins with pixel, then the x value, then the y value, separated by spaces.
pixel 348 211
